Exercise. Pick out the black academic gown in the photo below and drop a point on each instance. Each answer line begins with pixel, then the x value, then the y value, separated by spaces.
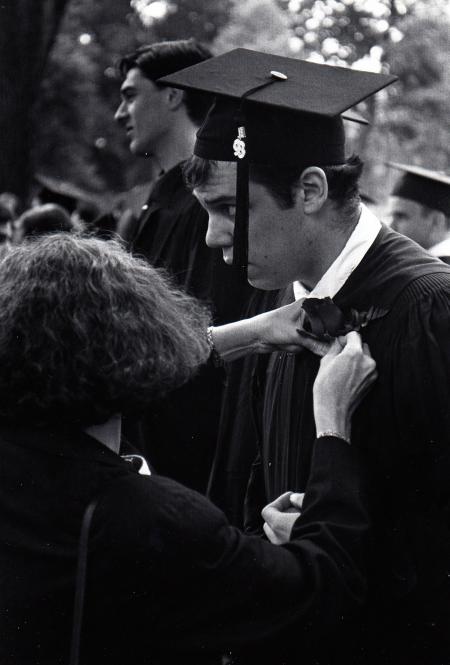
pixel 403 427
pixel 178 434
pixel 168 580
pixel 236 441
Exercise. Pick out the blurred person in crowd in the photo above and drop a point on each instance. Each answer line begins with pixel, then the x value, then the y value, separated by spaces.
pixel 160 123
pixel 55 191
pixel 44 219
pixel 270 167
pixel 11 202
pixel 6 226
pixel 88 333
pixel 85 213
pixel 419 208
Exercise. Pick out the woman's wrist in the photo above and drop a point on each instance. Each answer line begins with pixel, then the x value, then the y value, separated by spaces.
pixel 215 355
pixel 331 420
pixel 335 433
pixel 233 340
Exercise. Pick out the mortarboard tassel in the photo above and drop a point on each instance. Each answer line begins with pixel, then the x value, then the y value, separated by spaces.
pixel 240 244
pixel 240 254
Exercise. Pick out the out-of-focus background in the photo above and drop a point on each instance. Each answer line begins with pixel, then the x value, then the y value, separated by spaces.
pixel 59 86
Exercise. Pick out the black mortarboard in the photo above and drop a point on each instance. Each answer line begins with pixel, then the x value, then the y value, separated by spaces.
pixel 429 188
pixel 271 110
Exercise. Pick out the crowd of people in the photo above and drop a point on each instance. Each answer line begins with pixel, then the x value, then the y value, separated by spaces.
pixel 225 423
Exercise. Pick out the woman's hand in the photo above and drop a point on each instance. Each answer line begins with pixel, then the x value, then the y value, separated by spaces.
pixel 280 515
pixel 278 330
pixel 346 373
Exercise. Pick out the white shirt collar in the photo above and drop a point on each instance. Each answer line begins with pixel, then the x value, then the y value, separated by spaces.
pixel 355 249
pixel 441 249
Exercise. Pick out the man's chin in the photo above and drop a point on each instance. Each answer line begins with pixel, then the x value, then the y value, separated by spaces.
pixel 258 281
pixel 137 149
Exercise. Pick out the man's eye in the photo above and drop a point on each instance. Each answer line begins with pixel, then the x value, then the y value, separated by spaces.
pixel 231 211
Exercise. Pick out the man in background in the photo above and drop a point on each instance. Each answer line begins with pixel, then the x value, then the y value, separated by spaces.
pixel 419 208
pixel 161 122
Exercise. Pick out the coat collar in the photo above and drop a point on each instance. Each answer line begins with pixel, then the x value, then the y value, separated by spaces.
pixel 61 441
pixel 357 246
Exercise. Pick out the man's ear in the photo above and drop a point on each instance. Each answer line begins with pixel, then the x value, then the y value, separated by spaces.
pixel 313 189
pixel 175 98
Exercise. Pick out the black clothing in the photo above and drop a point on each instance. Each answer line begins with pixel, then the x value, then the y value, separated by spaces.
pixel 178 434
pixel 403 427
pixel 236 442
pixel 167 577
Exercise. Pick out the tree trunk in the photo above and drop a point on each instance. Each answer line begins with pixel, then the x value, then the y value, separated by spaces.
pixel 27 31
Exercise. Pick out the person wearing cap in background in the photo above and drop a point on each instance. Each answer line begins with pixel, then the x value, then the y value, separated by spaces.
pixel 6 228
pixel 270 168
pixel 160 123
pixel 419 208
pixel 43 220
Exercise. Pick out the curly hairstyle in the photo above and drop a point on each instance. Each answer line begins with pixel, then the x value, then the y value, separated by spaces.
pixel 87 331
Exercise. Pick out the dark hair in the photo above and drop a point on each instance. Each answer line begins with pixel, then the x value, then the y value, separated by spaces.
pixel 48 218
pixel 163 58
pixel 280 182
pixel 88 211
pixel 87 331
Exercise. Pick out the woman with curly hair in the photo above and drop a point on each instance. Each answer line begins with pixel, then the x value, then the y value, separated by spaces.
pixel 88 333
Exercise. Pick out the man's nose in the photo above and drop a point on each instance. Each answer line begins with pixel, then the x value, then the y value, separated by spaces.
pixel 121 113
pixel 219 233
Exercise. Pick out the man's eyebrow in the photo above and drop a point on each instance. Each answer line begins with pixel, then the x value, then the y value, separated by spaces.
pixel 127 87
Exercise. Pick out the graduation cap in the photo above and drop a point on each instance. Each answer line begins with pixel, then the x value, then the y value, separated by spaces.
pixel 272 110
pixel 429 188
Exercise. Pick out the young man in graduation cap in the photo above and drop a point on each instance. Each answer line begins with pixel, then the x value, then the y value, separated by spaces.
pixel 419 207
pixel 270 168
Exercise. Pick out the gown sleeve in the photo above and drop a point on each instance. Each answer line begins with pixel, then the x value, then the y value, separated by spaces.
pixel 218 589
pixel 421 366
pixel 422 379
pixel 409 433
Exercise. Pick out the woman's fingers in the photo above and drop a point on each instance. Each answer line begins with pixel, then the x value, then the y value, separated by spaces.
pixel 316 346
pixel 296 499
pixel 354 341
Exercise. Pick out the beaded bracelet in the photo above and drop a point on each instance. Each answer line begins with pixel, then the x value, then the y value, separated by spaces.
pixel 215 355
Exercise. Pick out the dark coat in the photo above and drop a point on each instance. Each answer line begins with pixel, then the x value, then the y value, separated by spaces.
pixel 403 429
pixel 169 581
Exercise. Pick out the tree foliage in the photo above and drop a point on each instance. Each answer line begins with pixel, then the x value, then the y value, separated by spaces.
pixel 193 18
pixel 72 127
pixel 27 33
pixel 256 24
pixel 79 139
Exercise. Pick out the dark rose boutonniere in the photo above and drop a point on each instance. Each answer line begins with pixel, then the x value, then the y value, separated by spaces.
pixel 324 320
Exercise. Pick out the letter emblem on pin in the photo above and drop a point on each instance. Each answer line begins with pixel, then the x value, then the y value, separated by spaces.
pixel 239 144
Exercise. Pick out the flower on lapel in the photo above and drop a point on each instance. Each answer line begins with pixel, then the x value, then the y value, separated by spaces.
pixel 324 320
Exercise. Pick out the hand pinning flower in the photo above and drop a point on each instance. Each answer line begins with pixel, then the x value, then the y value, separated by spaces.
pixel 324 320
